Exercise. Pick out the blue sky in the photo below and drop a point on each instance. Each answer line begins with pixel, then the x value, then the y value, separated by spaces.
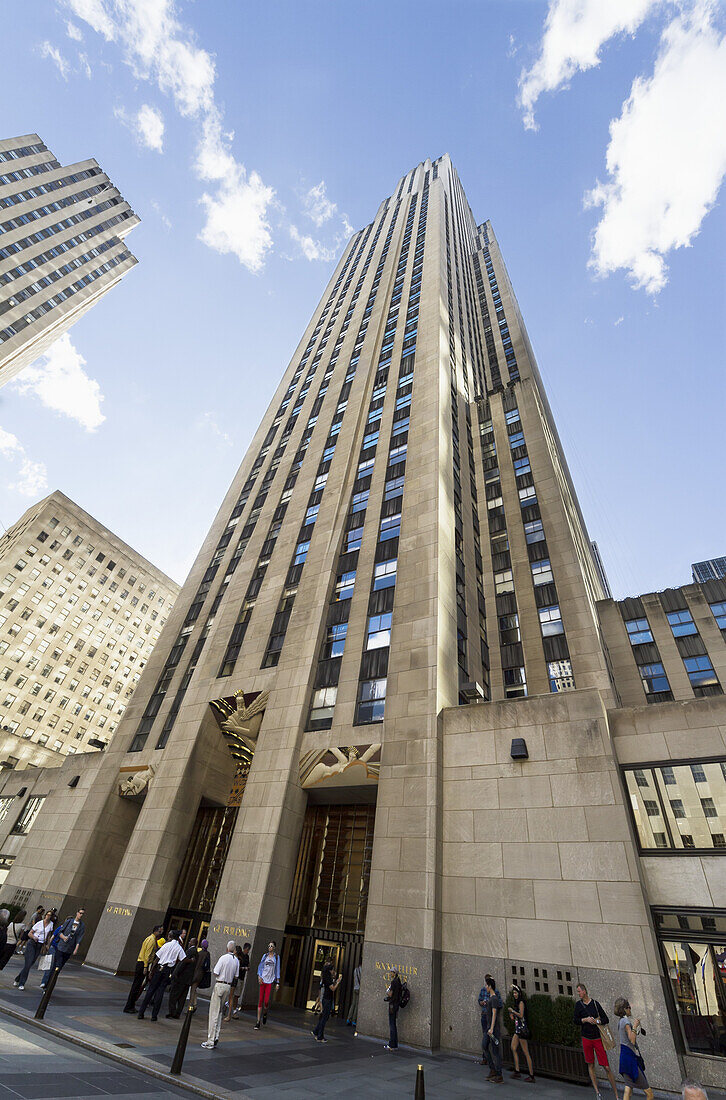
pixel 623 295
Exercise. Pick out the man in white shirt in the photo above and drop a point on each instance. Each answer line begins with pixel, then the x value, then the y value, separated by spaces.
pixel 225 972
pixel 166 958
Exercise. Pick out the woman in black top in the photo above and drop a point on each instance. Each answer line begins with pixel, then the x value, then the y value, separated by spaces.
pixel 521 1032
pixel 394 1003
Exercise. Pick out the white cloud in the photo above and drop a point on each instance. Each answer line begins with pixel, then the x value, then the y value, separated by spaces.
pixel 317 205
pixel 32 476
pixel 667 154
pixel 84 65
pixel 574 32
pixel 48 50
pixel 73 31
pixel 61 383
pixel 164 220
pixel 311 249
pixel 158 48
pixel 619 321
pixel 147 126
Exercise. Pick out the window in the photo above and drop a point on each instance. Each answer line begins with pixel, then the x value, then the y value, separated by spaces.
pixel 719 613
pixel 335 640
pixel 678 807
pixel 699 773
pixel 393 488
pixel 390 527
pixel 515 683
pixel 509 629
pixel 344 585
pixel 709 807
pixel 528 496
pixel 640 777
pixel 378 631
pixel 534 531
pixel 353 539
pixel 371 701
pixel 654 678
pixel 384 574
pixel 5 803
pixel 668 775
pixel 700 671
pixel 638 631
pixel 550 620
pixel 321 708
pixel 301 552
pixel 30 811
pixel 503 582
pixel 681 623
pixel 694 963
pixel 560 675
pixel 542 572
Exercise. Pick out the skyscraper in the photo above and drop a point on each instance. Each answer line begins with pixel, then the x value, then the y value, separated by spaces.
pixel 711 570
pixel 61 246
pixel 80 614
pixel 383 720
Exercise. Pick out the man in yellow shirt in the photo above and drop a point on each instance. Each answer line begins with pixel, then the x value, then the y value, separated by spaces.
pixel 146 955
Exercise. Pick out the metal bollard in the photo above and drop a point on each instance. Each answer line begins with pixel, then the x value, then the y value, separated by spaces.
pixel 40 1010
pixel 420 1093
pixel 181 1046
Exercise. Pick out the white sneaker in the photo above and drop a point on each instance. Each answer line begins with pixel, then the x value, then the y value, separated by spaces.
pixel 21 987
pixel 207 1045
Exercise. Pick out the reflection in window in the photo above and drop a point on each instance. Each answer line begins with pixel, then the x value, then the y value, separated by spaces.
pixel 679 806
pixel 27 818
pixel 697 978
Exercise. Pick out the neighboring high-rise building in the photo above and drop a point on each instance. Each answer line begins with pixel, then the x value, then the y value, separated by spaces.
pixel 80 614
pixel 712 570
pixel 392 712
pixel 61 246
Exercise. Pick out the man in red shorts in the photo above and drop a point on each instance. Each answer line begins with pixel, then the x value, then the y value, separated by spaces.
pixel 588 1014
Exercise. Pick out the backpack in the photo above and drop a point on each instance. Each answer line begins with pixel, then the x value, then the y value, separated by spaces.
pixel 405 995
pixel 206 981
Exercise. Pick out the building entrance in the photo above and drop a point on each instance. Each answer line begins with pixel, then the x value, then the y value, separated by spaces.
pixel 328 903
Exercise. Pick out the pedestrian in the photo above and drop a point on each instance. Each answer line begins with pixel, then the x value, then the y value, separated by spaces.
pixel 202 978
pixel 166 959
pixel 492 1045
pixel 518 1013
pixel 181 980
pixel 231 1005
pixel 4 921
pixel 393 996
pixel 267 972
pixel 353 1010
pixel 37 915
pixel 13 934
pixel 244 966
pixel 588 1015
pixel 37 943
pixel 632 1066
pixel 329 982
pixel 226 970
pixel 66 942
pixel 693 1090
pixel 146 953
pixel 482 1001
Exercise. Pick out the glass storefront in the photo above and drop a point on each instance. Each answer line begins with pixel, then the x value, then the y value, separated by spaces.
pixel 693 943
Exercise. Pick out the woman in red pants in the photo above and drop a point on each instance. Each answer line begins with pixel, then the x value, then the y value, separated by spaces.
pixel 268 972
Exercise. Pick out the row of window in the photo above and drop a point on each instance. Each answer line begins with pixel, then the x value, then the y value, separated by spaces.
pixel 696 661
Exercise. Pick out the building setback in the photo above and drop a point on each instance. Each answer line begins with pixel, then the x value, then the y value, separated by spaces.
pixel 61 247
pixel 393 714
pixel 80 614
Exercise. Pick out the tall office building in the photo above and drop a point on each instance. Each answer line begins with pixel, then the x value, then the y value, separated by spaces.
pixel 385 719
pixel 80 614
pixel 711 570
pixel 61 247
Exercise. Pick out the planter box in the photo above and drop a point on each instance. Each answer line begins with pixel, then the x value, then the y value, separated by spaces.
pixel 551 1060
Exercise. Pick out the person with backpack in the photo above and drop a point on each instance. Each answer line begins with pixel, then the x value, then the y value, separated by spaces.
pixel 13 935
pixel 66 941
pixel 521 1033
pixel 589 1015
pixel 393 997
pixel 202 978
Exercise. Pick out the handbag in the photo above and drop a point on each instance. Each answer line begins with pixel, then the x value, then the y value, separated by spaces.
pixel 606 1036
pixel 521 1029
pixel 46 962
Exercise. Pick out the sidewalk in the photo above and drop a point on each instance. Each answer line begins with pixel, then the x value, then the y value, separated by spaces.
pixel 282 1059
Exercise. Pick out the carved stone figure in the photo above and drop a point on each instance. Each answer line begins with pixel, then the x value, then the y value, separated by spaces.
pixel 243 724
pixel 318 767
pixel 136 783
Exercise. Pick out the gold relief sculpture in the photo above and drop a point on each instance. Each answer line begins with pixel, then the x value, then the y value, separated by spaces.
pixel 350 765
pixel 239 720
pixel 133 782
